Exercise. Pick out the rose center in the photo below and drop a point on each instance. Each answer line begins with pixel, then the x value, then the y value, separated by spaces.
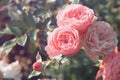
pixel 64 41
pixel 74 14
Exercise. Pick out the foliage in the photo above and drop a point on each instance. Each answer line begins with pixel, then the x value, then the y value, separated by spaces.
pixel 23 32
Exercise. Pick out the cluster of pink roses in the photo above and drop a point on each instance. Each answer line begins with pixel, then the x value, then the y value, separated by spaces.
pixel 78 27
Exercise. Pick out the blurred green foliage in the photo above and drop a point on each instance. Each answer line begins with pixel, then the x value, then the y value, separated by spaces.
pixel 23 27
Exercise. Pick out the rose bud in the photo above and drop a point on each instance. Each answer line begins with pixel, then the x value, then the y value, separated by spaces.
pixel 37 66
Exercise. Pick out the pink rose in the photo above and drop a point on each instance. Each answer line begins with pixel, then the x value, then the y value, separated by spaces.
pixel 63 41
pixel 100 39
pixel 77 16
pixel 110 67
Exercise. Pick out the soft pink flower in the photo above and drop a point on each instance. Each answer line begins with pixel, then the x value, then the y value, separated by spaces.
pixel 63 41
pixel 77 16
pixel 100 39
pixel 110 68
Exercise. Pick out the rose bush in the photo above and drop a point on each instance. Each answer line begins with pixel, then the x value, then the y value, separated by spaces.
pixel 23 28
pixel 110 68
pixel 77 16
pixel 63 41
pixel 100 39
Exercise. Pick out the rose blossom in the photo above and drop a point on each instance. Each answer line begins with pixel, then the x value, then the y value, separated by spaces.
pixel 110 67
pixel 63 41
pixel 100 39
pixel 77 16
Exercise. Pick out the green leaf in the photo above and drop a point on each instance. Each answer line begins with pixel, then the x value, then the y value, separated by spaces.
pixel 22 40
pixel 38 57
pixel 29 20
pixel 64 60
pixel 21 25
pixel 8 46
pixel 48 14
pixel 6 31
pixel 37 12
pixel 31 47
pixel 33 34
pixel 34 73
pixel 75 1
pixel 15 30
pixel 47 21
pixel 47 63
pixel 56 65
pixel 14 14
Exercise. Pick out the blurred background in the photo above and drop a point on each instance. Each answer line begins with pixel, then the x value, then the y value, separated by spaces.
pixel 23 31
